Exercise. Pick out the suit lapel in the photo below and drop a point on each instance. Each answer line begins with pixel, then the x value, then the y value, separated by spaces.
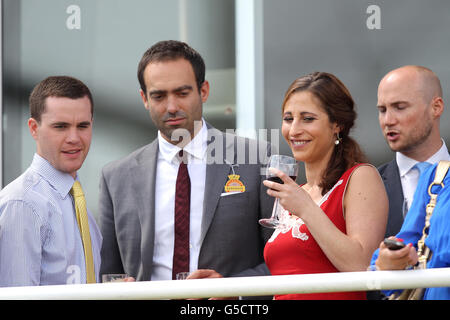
pixel 391 176
pixel 217 171
pixel 392 182
pixel 143 176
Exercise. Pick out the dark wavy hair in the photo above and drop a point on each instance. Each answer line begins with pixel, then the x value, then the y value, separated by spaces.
pixel 337 102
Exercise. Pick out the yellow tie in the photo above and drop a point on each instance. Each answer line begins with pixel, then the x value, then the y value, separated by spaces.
pixel 83 225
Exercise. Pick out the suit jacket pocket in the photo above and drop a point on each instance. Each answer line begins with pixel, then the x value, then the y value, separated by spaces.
pixel 237 200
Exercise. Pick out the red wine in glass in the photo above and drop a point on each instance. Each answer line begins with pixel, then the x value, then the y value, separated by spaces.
pixel 289 166
pixel 278 179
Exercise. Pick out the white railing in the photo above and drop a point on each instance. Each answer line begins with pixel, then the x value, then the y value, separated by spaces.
pixel 229 287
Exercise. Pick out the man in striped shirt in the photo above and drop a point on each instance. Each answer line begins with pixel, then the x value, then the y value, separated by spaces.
pixel 40 242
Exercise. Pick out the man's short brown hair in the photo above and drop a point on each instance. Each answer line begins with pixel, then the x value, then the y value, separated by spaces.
pixel 57 86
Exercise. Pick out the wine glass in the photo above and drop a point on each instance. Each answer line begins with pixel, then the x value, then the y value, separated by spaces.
pixel 289 166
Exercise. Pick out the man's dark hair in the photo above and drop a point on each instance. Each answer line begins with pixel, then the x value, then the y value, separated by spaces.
pixel 57 86
pixel 172 50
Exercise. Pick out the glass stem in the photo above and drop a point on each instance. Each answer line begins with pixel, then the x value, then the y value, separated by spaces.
pixel 275 209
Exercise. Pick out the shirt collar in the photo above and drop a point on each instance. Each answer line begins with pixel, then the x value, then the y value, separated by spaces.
pixel 405 163
pixel 60 181
pixel 442 154
pixel 196 148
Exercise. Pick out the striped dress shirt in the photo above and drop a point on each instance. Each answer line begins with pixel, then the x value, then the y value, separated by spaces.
pixel 40 243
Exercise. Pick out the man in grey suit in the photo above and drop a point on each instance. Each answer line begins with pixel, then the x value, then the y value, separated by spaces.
pixel 137 193
pixel 410 105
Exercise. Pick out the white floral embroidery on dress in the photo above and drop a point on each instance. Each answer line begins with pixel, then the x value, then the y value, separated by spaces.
pixel 296 230
pixel 289 222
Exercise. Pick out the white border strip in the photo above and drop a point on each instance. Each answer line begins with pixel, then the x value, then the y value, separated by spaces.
pixel 183 21
pixel 230 287
pixel 249 67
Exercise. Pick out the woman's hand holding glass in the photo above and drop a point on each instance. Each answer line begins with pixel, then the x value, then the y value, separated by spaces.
pixel 288 168
pixel 289 194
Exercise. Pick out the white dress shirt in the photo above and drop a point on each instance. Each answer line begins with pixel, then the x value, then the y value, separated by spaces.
pixel 166 176
pixel 409 176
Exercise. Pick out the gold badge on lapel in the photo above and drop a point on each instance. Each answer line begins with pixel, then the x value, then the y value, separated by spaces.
pixel 234 184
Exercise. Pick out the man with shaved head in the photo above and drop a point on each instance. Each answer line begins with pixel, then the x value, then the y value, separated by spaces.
pixel 409 105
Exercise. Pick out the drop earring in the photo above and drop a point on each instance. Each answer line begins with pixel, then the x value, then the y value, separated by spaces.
pixel 338 139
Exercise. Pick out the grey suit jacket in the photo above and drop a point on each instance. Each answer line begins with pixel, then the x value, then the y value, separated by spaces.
pixel 232 240
pixel 391 178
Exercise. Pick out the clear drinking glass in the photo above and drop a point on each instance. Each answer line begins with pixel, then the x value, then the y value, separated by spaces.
pixel 114 277
pixel 182 275
pixel 289 166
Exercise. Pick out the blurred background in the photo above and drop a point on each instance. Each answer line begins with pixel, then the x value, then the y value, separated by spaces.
pixel 253 50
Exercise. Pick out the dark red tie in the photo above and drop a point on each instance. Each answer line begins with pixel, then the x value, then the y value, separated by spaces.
pixel 182 209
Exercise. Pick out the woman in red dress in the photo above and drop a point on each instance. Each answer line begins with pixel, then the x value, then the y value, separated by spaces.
pixel 336 220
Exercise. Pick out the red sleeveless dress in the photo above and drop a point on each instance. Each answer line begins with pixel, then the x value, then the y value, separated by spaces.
pixel 293 250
